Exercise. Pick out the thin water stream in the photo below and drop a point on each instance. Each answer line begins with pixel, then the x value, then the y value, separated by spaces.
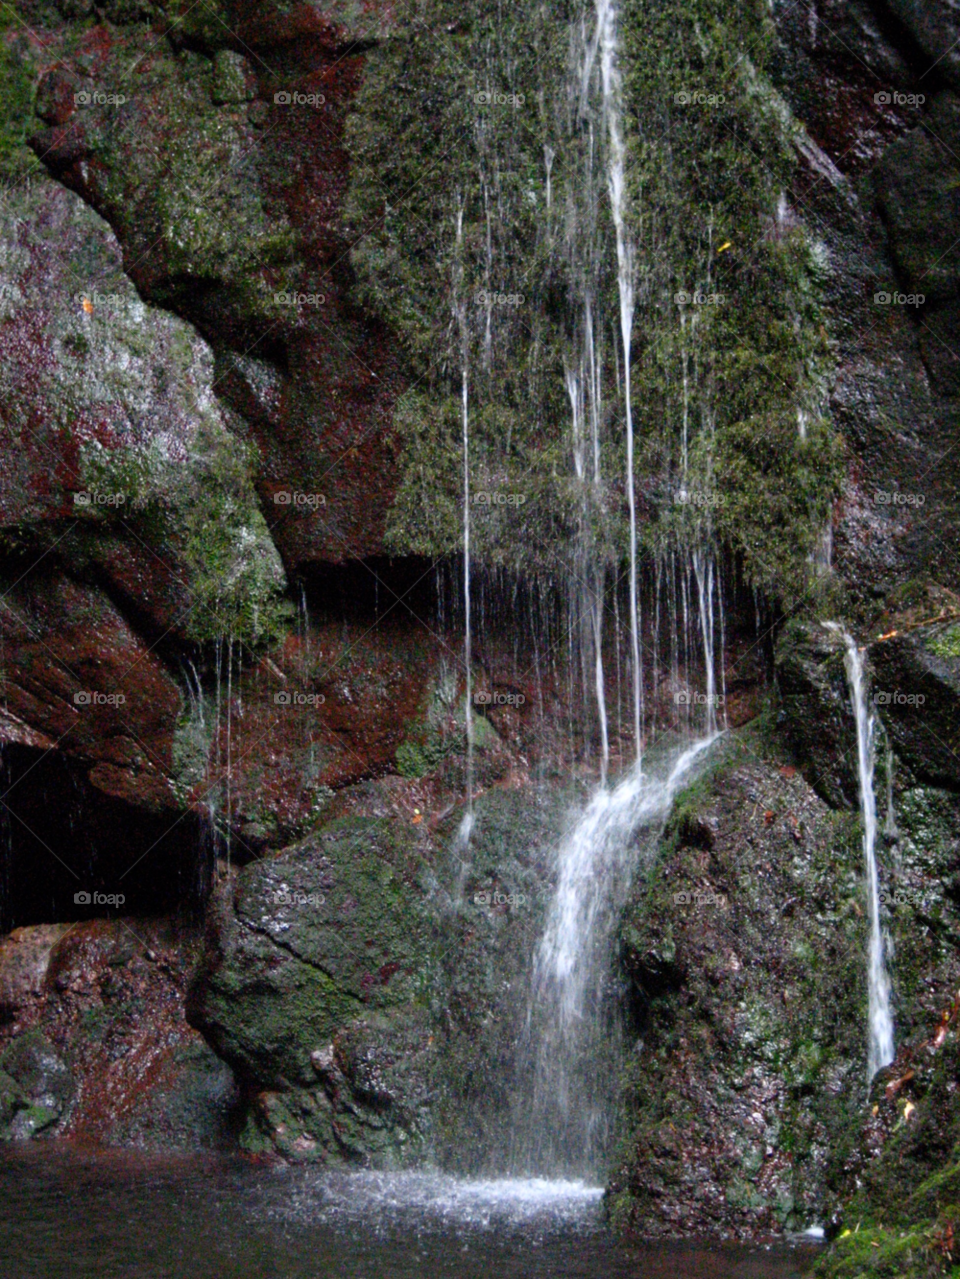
pixel 879 1017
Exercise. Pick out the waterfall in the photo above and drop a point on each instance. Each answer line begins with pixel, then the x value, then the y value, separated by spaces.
pixel 466 826
pixel 880 1020
pixel 606 40
pixel 573 1051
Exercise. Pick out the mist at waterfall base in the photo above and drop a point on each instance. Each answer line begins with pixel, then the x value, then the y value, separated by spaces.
pixel 125 1215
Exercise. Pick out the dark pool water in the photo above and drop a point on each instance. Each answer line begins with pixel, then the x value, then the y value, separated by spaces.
pixel 65 1214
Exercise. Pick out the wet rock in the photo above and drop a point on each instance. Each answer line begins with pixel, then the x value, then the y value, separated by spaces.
pixel 44 1080
pixel 24 959
pixel 747 962
pixel 917 695
pixel 936 28
pixel 102 1052
pixel 314 380
pixel 727 1092
pixel 367 1006
pixel 322 944
pixel 12 1100
pixel 815 703
pixel 920 204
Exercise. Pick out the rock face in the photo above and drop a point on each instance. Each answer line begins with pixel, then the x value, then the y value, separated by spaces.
pixel 228 389
pixel 816 711
pixel 223 173
pixel 746 952
pixel 93 1042
pixel 366 1003
pixel 314 952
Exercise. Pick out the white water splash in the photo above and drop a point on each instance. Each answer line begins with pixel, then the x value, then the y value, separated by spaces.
pixel 880 1020
pixel 572 1095
pixel 592 863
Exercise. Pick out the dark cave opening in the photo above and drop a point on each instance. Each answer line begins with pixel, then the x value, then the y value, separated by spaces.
pixel 70 852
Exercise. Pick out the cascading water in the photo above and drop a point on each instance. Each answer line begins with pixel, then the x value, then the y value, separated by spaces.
pixel 880 1019
pixel 570 1047
pixel 571 1041
pixel 466 826
pixel 606 40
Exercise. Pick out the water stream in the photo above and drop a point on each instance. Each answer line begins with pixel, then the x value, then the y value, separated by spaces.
pixel 569 1029
pixel 606 40
pixel 879 1016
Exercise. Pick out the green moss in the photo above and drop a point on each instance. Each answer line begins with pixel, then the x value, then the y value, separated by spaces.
pixel 745 377
pixel 946 643
pixel 205 513
pixel 17 95
pixel 875 1253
